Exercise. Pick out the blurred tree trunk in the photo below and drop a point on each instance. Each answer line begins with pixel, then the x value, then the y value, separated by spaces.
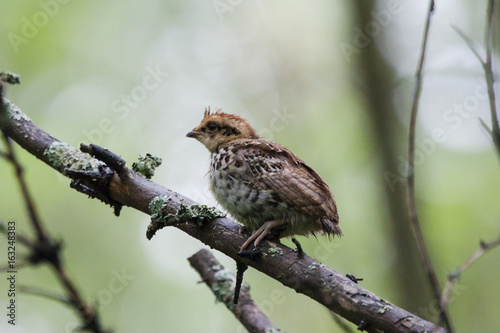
pixel 374 78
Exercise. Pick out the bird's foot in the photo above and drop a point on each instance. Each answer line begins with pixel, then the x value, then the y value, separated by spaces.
pixel 259 234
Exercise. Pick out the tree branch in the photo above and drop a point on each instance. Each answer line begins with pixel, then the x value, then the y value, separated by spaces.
pixel 453 277
pixel 45 293
pixel 30 205
pixel 306 276
pixel 222 283
pixel 487 65
pixel 490 78
pixel 412 209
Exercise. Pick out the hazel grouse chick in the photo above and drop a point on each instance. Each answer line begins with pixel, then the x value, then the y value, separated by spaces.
pixel 262 184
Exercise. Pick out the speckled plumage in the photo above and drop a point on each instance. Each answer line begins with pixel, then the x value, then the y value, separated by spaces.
pixel 261 183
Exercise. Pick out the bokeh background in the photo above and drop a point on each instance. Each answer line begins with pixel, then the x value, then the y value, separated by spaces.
pixel 331 80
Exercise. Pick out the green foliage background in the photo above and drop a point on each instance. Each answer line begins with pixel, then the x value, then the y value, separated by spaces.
pixel 292 70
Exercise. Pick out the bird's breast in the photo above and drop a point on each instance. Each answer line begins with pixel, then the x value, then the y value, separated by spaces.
pixel 233 187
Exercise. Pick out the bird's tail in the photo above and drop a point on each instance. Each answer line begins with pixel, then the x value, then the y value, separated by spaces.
pixel 331 227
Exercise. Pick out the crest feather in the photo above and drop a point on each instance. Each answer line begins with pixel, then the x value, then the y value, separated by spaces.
pixel 208 113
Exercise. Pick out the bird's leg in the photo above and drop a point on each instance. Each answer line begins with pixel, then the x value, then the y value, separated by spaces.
pixel 260 233
pixel 300 252
pixel 240 269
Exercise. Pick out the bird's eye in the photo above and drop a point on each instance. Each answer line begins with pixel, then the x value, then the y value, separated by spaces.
pixel 212 127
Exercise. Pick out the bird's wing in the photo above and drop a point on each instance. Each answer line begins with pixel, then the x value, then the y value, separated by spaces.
pixel 275 168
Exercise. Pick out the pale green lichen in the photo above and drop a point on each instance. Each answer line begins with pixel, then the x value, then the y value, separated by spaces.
pixel 315 265
pixel 12 112
pixel 312 266
pixel 198 214
pixel 385 309
pixel 63 156
pixel 216 267
pixel 146 165
pixel 157 205
pixel 223 289
pixel 274 250
pixel 11 78
pixel 158 217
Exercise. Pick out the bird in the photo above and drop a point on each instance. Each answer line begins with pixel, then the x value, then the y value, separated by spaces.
pixel 262 184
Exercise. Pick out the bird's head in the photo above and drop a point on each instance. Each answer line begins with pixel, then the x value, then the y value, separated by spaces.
pixel 219 128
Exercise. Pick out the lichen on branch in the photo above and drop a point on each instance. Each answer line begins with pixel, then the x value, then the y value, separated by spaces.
pixel 146 165
pixel 63 156
pixel 12 112
pixel 197 214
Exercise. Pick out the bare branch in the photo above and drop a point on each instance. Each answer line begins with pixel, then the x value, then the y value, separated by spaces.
pixel 487 65
pixel 30 205
pixel 490 78
pixel 306 275
pixel 412 209
pixel 453 277
pixel 44 293
pixel 470 43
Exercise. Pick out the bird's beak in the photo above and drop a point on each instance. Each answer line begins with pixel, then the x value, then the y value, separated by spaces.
pixel 193 134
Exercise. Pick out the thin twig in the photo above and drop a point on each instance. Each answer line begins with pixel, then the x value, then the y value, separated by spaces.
pixel 19 237
pixel 487 65
pixel 470 43
pixel 490 79
pixel 453 277
pixel 44 293
pixel 30 206
pixel 18 266
pixel 412 210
